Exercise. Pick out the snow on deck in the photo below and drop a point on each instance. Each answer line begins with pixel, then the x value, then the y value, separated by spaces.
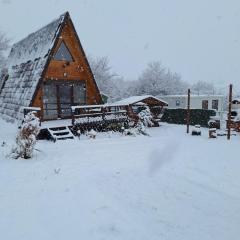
pixel 56 123
pixel 167 186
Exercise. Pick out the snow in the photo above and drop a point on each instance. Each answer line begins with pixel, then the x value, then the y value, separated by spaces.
pixel 56 123
pixel 167 186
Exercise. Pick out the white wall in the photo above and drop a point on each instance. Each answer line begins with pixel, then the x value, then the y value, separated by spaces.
pixel 195 101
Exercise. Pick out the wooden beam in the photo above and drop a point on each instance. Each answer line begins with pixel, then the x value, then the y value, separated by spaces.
pixel 58 101
pixel 229 112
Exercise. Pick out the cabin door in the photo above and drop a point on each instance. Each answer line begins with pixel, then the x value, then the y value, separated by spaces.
pixel 65 94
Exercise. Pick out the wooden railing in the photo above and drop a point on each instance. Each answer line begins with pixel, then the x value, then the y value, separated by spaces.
pixel 97 113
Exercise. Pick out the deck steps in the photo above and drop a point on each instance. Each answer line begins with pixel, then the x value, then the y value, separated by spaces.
pixel 60 133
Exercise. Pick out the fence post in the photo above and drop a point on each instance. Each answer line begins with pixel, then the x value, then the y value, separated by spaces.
pixel 188 111
pixel 73 115
pixel 229 112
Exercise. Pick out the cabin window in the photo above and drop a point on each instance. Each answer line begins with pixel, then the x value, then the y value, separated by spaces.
pixel 65 99
pixel 205 104
pixel 63 54
pixel 79 94
pixel 50 106
pixel 215 104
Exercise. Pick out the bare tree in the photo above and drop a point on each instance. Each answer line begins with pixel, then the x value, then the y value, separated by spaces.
pixel 108 82
pixel 157 80
pixel 202 87
pixel 4 45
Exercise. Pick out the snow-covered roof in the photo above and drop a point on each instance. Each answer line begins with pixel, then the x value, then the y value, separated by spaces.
pixel 25 65
pixel 135 99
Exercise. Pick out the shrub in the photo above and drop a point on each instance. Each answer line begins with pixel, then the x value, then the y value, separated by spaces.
pixel 145 116
pixel 26 137
pixel 197 116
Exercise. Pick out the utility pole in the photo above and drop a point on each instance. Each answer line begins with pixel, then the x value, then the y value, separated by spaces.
pixel 188 111
pixel 229 112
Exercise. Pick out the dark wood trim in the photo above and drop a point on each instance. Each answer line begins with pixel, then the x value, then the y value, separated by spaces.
pixel 72 95
pixel 58 102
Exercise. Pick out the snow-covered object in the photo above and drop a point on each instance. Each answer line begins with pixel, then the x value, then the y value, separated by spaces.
pixel 26 137
pixel 139 129
pixel 92 134
pixel 212 132
pixel 25 65
pixel 146 117
pixel 196 130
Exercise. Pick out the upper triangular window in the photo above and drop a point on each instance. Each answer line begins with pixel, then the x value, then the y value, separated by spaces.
pixel 63 53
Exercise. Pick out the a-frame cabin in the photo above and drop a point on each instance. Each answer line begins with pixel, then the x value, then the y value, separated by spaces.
pixel 49 70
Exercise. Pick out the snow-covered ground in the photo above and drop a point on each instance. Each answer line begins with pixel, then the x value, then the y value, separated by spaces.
pixel 167 186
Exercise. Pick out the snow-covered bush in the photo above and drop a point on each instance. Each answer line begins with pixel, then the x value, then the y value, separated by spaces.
pixel 139 129
pixel 26 137
pixel 145 116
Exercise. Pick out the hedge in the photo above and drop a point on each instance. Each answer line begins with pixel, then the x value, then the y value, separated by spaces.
pixel 197 116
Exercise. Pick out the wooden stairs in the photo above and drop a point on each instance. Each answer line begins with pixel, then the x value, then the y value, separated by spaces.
pixel 60 133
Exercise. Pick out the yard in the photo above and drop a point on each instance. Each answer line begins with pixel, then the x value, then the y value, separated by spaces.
pixel 169 185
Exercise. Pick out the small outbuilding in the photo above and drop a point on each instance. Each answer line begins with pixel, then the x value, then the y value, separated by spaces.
pixel 137 103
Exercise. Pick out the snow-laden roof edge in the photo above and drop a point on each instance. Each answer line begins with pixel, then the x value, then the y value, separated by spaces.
pixel 135 99
pixel 35 45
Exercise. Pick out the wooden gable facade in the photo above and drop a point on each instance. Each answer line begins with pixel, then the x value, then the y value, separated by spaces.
pixel 61 78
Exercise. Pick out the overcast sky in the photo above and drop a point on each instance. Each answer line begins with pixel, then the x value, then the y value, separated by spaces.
pixel 200 39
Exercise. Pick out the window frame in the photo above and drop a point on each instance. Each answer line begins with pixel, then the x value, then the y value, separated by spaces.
pixel 215 104
pixel 205 104
pixel 178 103
pixel 63 60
